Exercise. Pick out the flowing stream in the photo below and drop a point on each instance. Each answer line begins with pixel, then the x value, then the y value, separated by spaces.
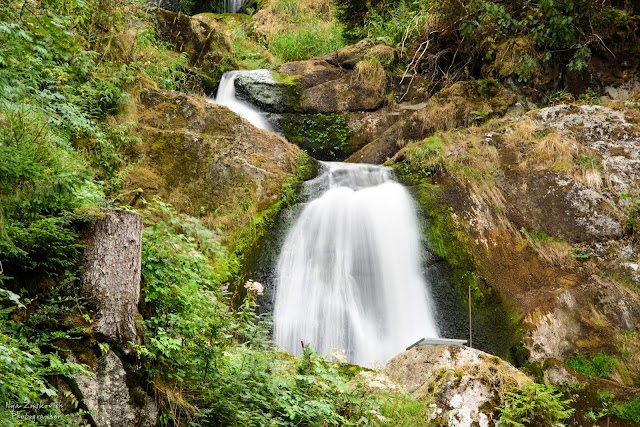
pixel 226 96
pixel 349 275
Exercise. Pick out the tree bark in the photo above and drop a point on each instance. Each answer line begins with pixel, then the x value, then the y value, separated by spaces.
pixel 111 274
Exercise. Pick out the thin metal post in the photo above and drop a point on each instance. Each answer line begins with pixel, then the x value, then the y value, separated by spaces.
pixel 470 331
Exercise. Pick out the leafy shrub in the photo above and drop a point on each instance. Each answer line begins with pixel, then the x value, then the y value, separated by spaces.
pixel 24 370
pixel 534 405
pixel 600 365
pixel 212 364
pixel 43 187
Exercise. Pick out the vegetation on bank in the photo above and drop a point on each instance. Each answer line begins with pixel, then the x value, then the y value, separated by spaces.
pixel 68 72
pixel 528 42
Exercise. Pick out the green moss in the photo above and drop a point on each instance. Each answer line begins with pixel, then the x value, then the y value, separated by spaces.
pixel 323 136
pixel 497 326
pixel 446 241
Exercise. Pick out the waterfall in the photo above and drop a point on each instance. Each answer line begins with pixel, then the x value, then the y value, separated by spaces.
pixel 226 96
pixel 349 274
pixel 232 6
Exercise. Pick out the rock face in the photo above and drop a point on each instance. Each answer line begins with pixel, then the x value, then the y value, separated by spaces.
pixel 109 400
pixel 205 159
pixel 464 385
pixel 546 224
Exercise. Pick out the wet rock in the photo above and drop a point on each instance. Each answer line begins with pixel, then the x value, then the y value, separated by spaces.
pixel 273 95
pixel 466 385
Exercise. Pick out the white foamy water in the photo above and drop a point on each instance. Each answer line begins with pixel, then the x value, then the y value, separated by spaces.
pixel 349 275
pixel 232 6
pixel 226 96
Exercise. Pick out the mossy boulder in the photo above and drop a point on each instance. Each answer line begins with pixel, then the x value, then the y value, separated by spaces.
pixel 323 136
pixel 462 386
pixel 207 161
pixel 334 83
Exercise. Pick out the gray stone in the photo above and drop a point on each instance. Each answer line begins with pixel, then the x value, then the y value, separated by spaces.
pixel 465 384
pixel 108 397
pixel 260 88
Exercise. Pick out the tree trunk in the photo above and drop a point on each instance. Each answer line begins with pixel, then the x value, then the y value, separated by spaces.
pixel 111 275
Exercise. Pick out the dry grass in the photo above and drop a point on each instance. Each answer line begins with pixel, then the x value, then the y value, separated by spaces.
pixel 558 151
pixel 371 75
pixel 280 16
pixel 170 398
pixel 440 116
pixel 555 253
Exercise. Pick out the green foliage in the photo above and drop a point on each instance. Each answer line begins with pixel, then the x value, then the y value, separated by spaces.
pixel 600 365
pixel 534 405
pixel 219 358
pixel 629 410
pixel 426 158
pixel 520 38
pixel 632 208
pixel 306 41
pixel 26 394
pixel 43 189
pixel 395 23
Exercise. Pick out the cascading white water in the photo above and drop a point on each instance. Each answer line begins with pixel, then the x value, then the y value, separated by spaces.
pixel 232 6
pixel 226 96
pixel 349 275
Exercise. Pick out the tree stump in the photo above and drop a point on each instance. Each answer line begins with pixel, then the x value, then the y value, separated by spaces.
pixel 111 274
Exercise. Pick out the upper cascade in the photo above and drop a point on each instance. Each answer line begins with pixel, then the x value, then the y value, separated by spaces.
pixel 349 275
pixel 232 6
pixel 226 96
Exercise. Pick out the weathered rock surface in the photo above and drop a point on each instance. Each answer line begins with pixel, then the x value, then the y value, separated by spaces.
pixel 463 386
pixel 547 233
pixel 455 106
pixel 612 134
pixel 205 159
pixel 109 400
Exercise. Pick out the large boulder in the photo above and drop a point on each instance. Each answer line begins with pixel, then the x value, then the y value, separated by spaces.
pixel 205 159
pixel 461 385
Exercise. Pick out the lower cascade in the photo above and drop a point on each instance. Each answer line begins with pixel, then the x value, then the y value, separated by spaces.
pixel 349 275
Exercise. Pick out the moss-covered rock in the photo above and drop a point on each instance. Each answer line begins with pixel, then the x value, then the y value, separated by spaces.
pixel 323 136
pixel 520 208
pixel 463 386
pixel 270 91
pixel 207 161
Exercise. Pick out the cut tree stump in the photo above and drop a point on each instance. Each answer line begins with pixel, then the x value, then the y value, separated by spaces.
pixel 111 274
